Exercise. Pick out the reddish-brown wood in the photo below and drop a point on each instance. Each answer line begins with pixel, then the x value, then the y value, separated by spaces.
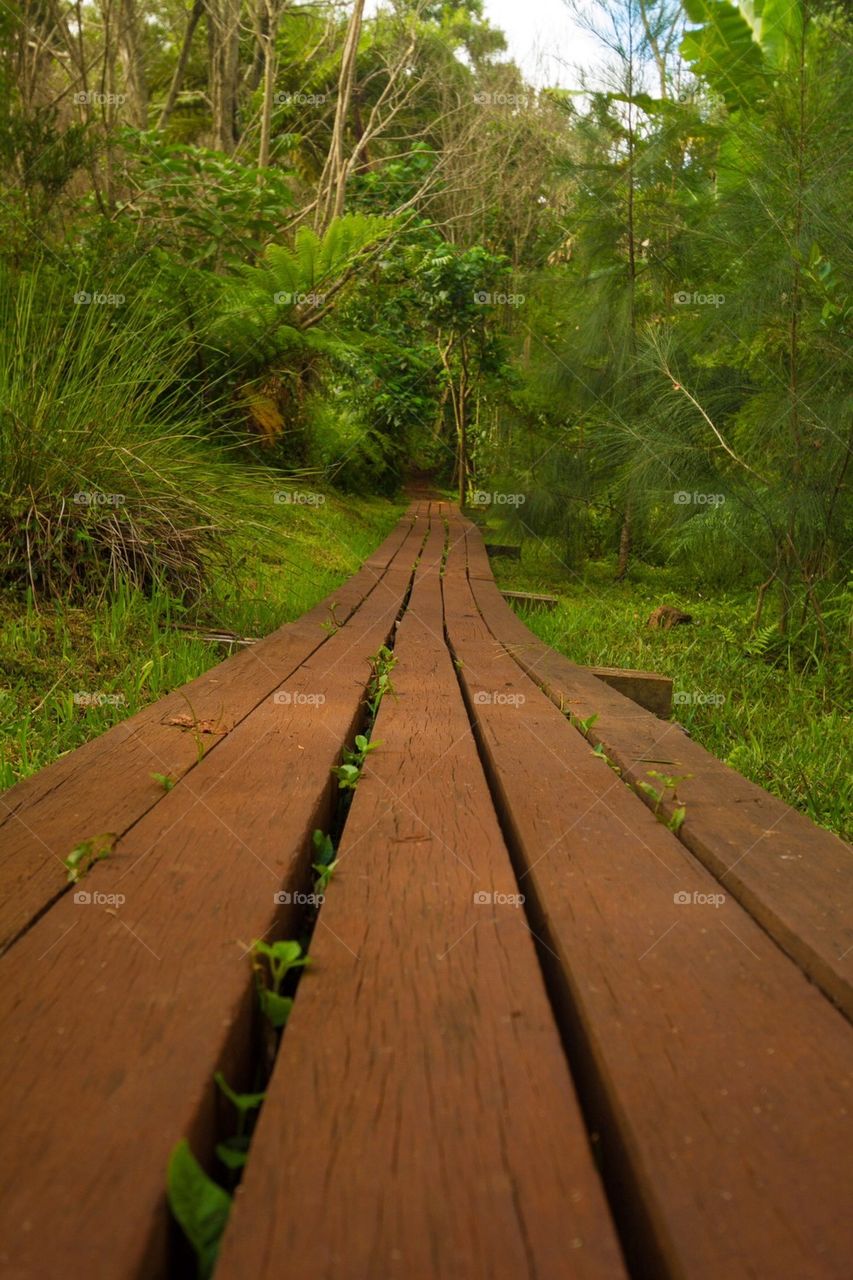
pixel 795 878
pixel 421 1121
pixel 650 690
pixel 531 599
pixel 106 785
pixel 116 1015
pixel 719 1076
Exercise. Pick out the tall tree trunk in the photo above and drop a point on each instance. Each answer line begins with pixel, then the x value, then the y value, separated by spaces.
pixel 223 35
pixel 267 36
pixel 255 70
pixel 133 63
pixel 332 190
pixel 181 66
pixel 654 47
pixel 107 91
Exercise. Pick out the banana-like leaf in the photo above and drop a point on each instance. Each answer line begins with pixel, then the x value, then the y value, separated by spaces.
pixel 723 52
pixel 777 26
pixel 739 50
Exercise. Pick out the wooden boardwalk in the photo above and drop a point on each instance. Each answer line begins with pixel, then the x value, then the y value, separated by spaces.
pixel 542 1034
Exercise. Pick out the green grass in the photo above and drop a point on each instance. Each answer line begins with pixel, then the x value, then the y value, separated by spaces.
pixel 782 718
pixel 125 651
pixel 108 464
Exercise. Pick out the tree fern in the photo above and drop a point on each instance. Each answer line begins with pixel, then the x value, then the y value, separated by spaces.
pixel 266 310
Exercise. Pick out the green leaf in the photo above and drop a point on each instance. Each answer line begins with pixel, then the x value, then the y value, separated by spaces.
pixel 347 775
pixel 324 849
pixel 325 871
pixel 84 855
pixel 242 1101
pixel 199 1205
pixel 777 27
pixel 277 1008
pixel 723 52
pixel 648 790
pixel 676 821
pixel 232 1155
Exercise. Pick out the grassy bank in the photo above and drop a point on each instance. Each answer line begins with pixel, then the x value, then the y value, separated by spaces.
pixel 778 713
pixel 71 670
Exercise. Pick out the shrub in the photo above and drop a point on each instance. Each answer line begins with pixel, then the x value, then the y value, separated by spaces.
pixel 105 473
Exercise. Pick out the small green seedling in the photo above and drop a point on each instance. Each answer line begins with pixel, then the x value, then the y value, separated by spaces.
pixel 331 624
pixel 199 1205
pixel 668 783
pixel 325 860
pixel 165 780
pixel 677 818
pixel 233 1151
pixel 83 856
pixel 382 663
pixel 198 727
pixel 349 772
pixel 347 776
pixel 583 725
pixel 602 755
pixel 271 963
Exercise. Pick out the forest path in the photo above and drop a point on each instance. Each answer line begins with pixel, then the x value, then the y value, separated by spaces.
pixel 547 1031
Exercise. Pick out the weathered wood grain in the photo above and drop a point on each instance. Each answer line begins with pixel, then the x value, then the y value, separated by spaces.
pixel 795 878
pixel 719 1077
pixel 106 785
pixel 116 1014
pixel 421 1120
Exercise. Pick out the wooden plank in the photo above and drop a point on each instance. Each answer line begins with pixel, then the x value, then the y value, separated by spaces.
pixel 106 785
pixel 535 599
pixel 794 877
pixel 116 1014
pixel 718 1077
pixel 649 690
pixel 503 549
pixel 421 1120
